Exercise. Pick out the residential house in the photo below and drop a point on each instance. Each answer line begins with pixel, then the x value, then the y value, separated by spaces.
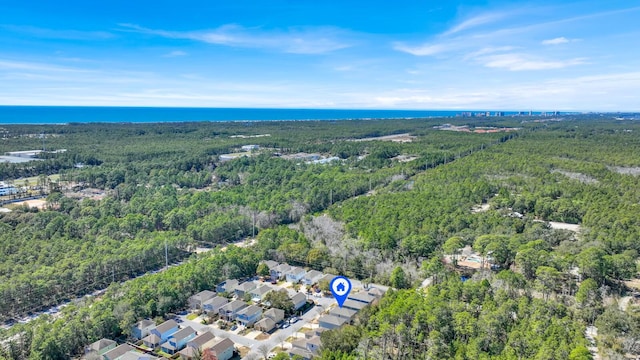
pixel 331 322
pixel 223 350
pixel 212 306
pixel 311 344
pixel 362 297
pixel 196 301
pixel 265 325
pixel 280 271
pixel 134 355
pixel 258 294
pixel 244 288
pixel 274 314
pixel 311 277
pixel 327 278
pixel 164 330
pixel 353 305
pixel 229 311
pixel 178 340
pixel 271 264
pixel 101 346
pixel 142 328
pixel 377 292
pixel 117 352
pixel 228 286
pixel 197 345
pixel 295 274
pixel 299 300
pixel 343 312
pixel 152 341
pixel 249 315
pixel 300 353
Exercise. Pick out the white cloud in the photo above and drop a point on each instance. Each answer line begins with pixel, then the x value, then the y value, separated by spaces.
pixel 299 40
pixel 58 34
pixel 422 50
pixel 519 62
pixel 476 21
pixel 556 41
pixel 175 53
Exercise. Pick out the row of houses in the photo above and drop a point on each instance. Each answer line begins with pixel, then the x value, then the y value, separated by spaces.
pixel 242 312
pixel 309 347
pixel 294 274
pixel 186 341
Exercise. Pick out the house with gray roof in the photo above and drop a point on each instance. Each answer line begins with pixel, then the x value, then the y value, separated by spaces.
pixel 280 271
pixel 343 312
pixel 178 340
pixel 223 350
pixel 101 346
pixel 196 301
pixel 212 306
pixel 134 355
pixel 362 297
pixel 274 314
pixel 311 277
pixel 354 305
pixel 230 310
pixel 244 288
pixel 164 330
pixel 299 300
pixel 295 274
pixel 249 315
pixel 117 352
pixel 228 286
pixel 265 325
pixel 258 294
pixel 142 328
pixel 331 322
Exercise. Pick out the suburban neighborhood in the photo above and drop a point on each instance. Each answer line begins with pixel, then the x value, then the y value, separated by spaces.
pixel 284 311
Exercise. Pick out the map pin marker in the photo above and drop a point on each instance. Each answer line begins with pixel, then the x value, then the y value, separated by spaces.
pixel 340 288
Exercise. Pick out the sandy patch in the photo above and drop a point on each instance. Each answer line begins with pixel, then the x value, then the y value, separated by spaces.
pixel 401 138
pixel 625 170
pixel 564 226
pixel 40 204
pixel 583 178
pixel 480 208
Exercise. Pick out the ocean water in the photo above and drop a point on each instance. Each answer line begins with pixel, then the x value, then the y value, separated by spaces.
pixel 80 114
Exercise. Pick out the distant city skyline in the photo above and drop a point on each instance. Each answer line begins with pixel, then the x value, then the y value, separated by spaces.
pixel 413 55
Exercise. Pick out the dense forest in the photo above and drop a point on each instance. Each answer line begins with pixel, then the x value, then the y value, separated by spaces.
pixel 397 208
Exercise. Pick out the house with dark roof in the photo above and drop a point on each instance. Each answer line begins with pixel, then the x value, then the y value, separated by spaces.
pixel 142 328
pixel 212 306
pixel 295 274
pixel 164 330
pixel 249 315
pixel 299 300
pixel 117 352
pixel 229 311
pixel 343 312
pixel 331 322
pixel 178 340
pixel 196 301
pixel 354 305
pixel 362 297
pixel 223 350
pixel 101 346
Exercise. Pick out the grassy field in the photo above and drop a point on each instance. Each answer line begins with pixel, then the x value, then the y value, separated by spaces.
pixel 34 180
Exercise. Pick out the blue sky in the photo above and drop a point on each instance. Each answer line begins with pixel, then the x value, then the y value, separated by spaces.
pixel 510 55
